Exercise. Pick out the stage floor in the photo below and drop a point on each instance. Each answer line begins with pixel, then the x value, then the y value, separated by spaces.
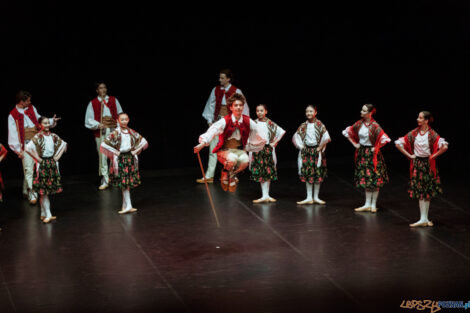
pixel 281 257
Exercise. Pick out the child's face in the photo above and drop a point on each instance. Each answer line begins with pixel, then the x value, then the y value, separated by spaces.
pixel 123 120
pixel 237 108
pixel 310 113
pixel 45 124
pixel 261 111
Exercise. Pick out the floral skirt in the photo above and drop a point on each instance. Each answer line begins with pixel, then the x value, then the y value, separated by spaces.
pixel 310 172
pixel 263 167
pixel 128 176
pixel 47 178
pixel 423 185
pixel 365 177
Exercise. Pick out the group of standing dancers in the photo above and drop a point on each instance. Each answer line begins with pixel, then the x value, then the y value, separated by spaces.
pixel 235 140
pixel 30 137
pixel 238 142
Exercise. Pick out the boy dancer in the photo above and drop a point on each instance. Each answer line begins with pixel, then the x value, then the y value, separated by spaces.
pixel 22 126
pixel 237 134
pixel 101 116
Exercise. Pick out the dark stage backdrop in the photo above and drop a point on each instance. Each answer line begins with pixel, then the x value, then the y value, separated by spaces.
pixel 402 56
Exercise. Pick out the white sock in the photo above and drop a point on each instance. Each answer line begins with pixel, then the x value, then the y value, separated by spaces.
pixel 46 204
pixel 126 193
pixel 375 195
pixel 309 191
pixel 316 191
pixel 368 202
pixel 268 185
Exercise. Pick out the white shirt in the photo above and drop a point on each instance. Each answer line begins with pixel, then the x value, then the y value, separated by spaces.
pixel 90 121
pixel 310 137
pixel 363 135
pixel 421 147
pixel 255 141
pixel 13 136
pixel 125 142
pixel 209 109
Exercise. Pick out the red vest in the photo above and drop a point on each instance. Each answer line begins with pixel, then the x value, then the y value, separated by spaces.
pixel 97 110
pixel 409 146
pixel 219 94
pixel 19 118
pixel 230 127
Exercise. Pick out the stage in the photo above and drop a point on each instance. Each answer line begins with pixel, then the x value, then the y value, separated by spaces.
pixel 280 257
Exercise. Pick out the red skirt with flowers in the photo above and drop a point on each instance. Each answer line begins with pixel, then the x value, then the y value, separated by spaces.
pixel 310 172
pixel 47 178
pixel 128 175
pixel 423 184
pixel 365 176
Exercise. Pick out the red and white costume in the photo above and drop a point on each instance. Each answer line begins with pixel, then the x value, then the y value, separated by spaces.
pixel 93 116
pixel 215 109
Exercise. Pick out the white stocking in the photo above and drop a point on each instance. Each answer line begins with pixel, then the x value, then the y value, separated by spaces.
pixel 265 190
pixel 46 204
pixel 316 191
pixel 41 204
pixel 126 199
pixel 368 202
pixel 375 195
pixel 309 191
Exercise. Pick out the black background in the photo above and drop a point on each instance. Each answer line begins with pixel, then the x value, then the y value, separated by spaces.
pixel 161 64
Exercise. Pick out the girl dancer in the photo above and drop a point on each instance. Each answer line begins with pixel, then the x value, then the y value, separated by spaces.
pixel 263 163
pixel 370 174
pixel 46 148
pixel 122 146
pixel 422 146
pixel 311 139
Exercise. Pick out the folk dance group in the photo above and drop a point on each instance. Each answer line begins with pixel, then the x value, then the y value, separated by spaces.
pixel 30 137
pixel 237 142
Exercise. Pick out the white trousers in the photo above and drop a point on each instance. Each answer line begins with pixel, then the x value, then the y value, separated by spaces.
pixel 102 159
pixel 28 171
pixel 233 159
pixel 212 158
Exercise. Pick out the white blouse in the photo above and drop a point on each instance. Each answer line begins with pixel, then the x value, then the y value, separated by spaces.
pixel 363 135
pixel 265 134
pixel 125 142
pixel 310 137
pixel 421 147
pixel 48 147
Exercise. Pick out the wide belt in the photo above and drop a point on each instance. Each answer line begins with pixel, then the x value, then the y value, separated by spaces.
pixel 232 143
pixel 109 122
